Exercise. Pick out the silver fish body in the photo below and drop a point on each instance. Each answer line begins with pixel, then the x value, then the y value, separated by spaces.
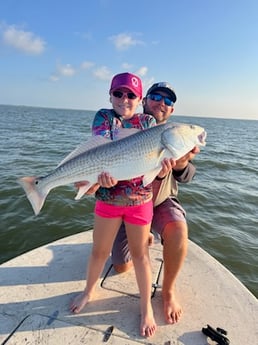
pixel 139 154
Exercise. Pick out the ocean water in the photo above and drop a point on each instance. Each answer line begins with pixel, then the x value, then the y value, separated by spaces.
pixel 221 202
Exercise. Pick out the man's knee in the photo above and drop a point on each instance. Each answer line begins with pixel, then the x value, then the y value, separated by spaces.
pixel 175 230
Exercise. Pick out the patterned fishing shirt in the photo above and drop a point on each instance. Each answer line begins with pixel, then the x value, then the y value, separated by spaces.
pixel 129 192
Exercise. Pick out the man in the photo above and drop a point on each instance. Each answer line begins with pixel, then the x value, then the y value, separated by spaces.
pixel 169 216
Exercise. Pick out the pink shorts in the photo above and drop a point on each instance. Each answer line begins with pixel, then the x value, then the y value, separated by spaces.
pixel 138 214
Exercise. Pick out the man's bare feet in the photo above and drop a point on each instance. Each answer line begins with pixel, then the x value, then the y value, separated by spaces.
pixel 172 309
pixel 148 326
pixel 79 302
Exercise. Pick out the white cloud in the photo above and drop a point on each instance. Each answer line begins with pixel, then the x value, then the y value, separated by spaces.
pixel 124 41
pixel 23 41
pixel 142 71
pixel 54 78
pixel 62 71
pixel 103 73
pixel 127 66
pixel 87 64
pixel 66 70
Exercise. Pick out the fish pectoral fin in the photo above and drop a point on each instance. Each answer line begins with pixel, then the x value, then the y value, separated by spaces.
pixel 82 190
pixel 150 176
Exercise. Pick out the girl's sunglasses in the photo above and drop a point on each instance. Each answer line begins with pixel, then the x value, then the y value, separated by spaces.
pixel 157 98
pixel 120 94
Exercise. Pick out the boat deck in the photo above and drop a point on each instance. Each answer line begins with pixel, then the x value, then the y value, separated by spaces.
pixel 37 287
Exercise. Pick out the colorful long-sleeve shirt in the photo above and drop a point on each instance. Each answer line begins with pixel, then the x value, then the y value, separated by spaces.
pixel 130 192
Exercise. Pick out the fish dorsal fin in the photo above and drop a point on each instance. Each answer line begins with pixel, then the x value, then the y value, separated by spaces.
pixel 93 142
pixel 122 133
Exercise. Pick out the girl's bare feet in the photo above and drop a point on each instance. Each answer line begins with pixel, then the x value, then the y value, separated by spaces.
pixel 148 324
pixel 172 309
pixel 79 302
pixel 148 328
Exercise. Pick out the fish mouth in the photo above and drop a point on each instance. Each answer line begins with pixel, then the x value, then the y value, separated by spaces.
pixel 202 138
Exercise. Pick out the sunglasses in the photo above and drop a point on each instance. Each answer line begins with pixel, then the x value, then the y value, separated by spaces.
pixel 120 94
pixel 157 98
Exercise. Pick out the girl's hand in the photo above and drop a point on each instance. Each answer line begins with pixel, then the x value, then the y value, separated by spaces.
pixel 106 181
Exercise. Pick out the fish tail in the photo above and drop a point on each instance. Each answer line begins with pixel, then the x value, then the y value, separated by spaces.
pixel 36 197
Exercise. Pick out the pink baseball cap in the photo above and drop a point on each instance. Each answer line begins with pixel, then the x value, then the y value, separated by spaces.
pixel 128 80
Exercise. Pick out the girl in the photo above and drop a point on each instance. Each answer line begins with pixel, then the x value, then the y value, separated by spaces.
pixel 124 201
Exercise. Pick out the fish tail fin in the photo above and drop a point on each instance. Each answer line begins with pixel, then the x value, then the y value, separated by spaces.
pixel 36 197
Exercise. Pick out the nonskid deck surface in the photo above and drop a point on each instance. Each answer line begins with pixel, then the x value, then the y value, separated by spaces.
pixel 37 288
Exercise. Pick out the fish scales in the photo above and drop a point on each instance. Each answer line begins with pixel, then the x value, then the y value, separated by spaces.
pixel 108 157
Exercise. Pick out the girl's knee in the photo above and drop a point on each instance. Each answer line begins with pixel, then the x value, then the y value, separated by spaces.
pixel 100 255
pixel 140 257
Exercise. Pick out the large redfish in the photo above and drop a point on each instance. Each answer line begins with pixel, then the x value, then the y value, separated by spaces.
pixel 139 154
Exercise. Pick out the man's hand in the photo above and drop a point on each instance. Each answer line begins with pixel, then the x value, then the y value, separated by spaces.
pixel 182 162
pixel 167 166
pixel 177 165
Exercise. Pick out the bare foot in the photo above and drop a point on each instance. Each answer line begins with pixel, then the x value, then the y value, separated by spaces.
pixel 79 302
pixel 172 309
pixel 148 325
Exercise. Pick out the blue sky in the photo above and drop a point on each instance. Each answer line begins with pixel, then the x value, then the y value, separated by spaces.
pixel 64 53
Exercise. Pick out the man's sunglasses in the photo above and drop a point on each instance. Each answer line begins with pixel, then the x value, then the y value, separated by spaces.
pixel 120 94
pixel 157 98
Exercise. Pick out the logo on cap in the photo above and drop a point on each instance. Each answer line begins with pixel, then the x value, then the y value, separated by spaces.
pixel 135 82
pixel 164 84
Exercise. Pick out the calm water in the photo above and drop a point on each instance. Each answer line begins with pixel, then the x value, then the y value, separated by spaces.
pixel 221 202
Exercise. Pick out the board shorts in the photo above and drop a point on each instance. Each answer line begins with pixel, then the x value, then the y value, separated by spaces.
pixel 168 211
pixel 137 214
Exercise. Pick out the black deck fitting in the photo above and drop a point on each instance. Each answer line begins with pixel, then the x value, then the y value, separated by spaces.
pixel 217 335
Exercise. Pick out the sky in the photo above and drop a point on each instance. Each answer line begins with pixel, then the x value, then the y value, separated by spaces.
pixel 63 54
